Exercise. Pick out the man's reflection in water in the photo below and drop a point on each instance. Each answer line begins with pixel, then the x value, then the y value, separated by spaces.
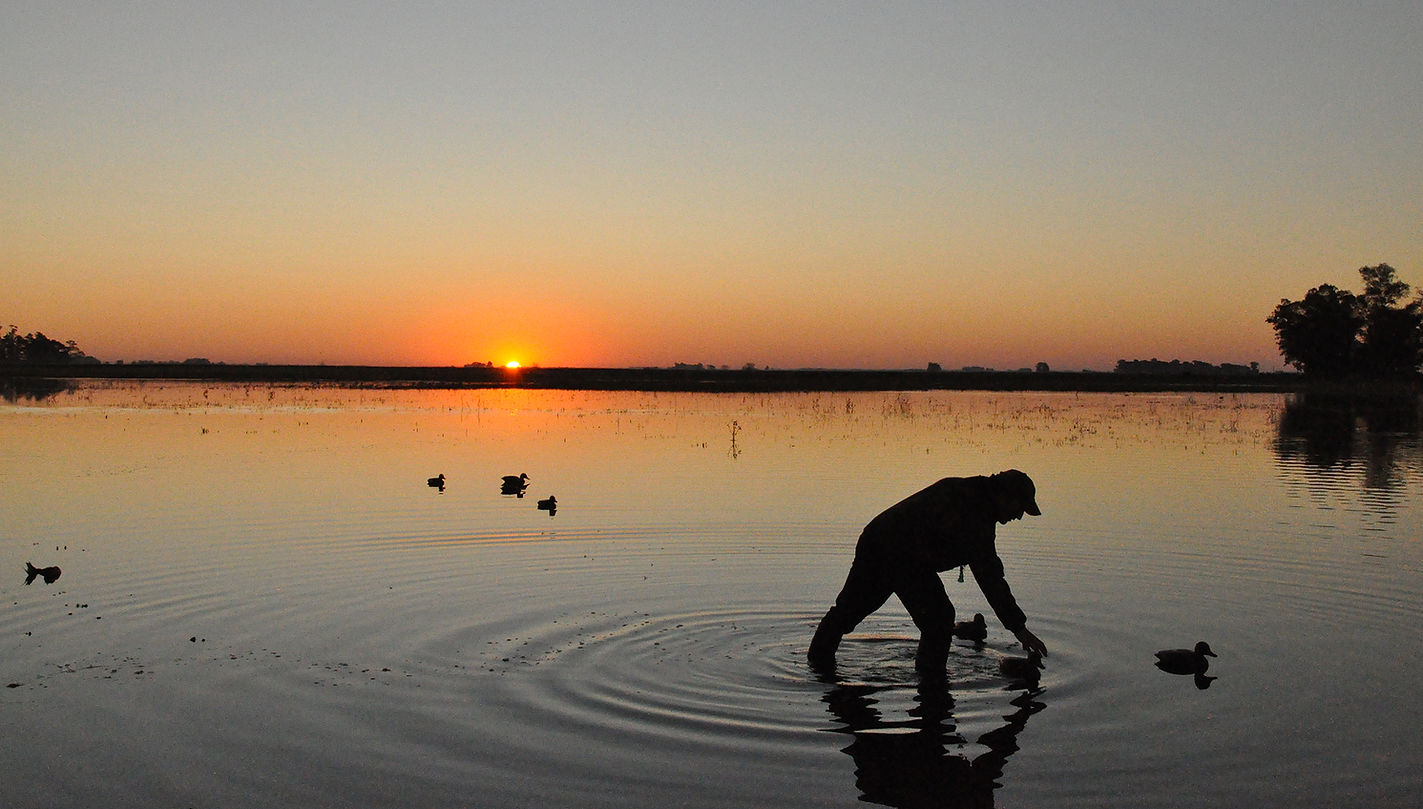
pixel 907 763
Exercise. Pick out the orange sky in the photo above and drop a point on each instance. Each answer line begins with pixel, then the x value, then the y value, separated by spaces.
pixel 792 185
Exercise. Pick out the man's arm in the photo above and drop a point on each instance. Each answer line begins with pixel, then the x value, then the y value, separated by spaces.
pixel 988 572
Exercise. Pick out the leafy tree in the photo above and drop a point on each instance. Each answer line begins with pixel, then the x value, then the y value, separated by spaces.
pixel 1317 335
pixel 1333 332
pixel 1392 339
pixel 1381 288
pixel 10 347
pixel 38 349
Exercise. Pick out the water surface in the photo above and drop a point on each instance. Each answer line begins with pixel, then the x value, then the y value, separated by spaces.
pixel 263 603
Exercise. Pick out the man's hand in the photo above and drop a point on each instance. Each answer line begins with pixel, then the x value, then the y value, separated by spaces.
pixel 1031 642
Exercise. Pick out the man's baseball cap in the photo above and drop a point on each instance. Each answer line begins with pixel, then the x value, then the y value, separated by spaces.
pixel 1022 485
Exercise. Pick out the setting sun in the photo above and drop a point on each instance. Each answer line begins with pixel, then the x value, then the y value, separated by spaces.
pixel 512 364
pixel 607 241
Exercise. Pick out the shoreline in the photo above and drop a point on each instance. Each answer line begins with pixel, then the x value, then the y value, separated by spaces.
pixel 711 380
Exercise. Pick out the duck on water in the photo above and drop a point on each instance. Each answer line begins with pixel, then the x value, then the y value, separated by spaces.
pixel 514 484
pixel 1185 661
pixel 975 630
pixel 1027 670
pixel 49 574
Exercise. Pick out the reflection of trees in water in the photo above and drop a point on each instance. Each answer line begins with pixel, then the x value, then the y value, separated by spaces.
pixel 1328 431
pixel 14 389
pixel 907 762
pixel 1339 441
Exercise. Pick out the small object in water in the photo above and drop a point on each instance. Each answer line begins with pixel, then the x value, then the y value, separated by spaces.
pixel 1185 661
pixel 437 482
pixel 975 630
pixel 514 484
pixel 550 505
pixel 1028 669
pixel 49 574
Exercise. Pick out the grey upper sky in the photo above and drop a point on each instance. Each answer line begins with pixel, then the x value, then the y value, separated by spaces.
pixel 820 183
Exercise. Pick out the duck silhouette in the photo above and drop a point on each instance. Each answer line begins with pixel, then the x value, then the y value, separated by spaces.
pixel 975 630
pixel 437 482
pixel 520 480
pixel 1025 669
pixel 550 505
pixel 1185 661
pixel 49 574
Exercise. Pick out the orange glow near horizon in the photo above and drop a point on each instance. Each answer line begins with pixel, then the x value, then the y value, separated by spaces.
pixel 512 365
pixel 686 209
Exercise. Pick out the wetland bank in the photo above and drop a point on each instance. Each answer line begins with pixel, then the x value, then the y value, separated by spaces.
pixel 264 604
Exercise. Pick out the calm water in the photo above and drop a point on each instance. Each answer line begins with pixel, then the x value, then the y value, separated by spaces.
pixel 263 603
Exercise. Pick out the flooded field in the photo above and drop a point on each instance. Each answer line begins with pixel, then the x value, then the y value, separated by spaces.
pixel 263 602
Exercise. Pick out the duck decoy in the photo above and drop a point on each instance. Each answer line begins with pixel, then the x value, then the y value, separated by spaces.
pixel 1026 669
pixel 975 630
pixel 514 484
pixel 1185 661
pixel 550 505
pixel 437 482
pixel 49 574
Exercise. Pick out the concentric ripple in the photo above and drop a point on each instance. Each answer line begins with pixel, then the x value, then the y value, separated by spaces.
pixel 263 604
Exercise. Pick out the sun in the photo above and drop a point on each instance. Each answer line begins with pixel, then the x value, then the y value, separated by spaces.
pixel 512 365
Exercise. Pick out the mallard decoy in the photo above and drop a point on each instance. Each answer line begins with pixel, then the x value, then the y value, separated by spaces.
pixel 975 630
pixel 49 574
pixel 1027 669
pixel 1185 661
pixel 437 482
pixel 514 484
pixel 551 504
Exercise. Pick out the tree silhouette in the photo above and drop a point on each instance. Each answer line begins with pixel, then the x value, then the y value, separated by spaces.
pixel 1332 332
pixel 37 349
pixel 1393 332
pixel 1317 335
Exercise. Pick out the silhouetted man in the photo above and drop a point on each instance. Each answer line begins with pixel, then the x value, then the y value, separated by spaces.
pixel 901 551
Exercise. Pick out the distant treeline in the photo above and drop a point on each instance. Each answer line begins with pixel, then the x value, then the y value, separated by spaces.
pixel 37 349
pixel 1179 368
pixel 664 379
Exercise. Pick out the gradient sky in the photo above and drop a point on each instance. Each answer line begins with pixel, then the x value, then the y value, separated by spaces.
pixel 790 184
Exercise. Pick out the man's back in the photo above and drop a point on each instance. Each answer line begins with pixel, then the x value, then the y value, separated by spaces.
pixel 942 526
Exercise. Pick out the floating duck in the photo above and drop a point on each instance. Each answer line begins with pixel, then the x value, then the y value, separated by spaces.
pixel 437 482
pixel 1027 669
pixel 1185 661
pixel 550 505
pixel 49 574
pixel 975 630
pixel 514 484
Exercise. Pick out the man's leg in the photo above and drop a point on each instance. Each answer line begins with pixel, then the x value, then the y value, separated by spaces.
pixel 923 595
pixel 866 589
